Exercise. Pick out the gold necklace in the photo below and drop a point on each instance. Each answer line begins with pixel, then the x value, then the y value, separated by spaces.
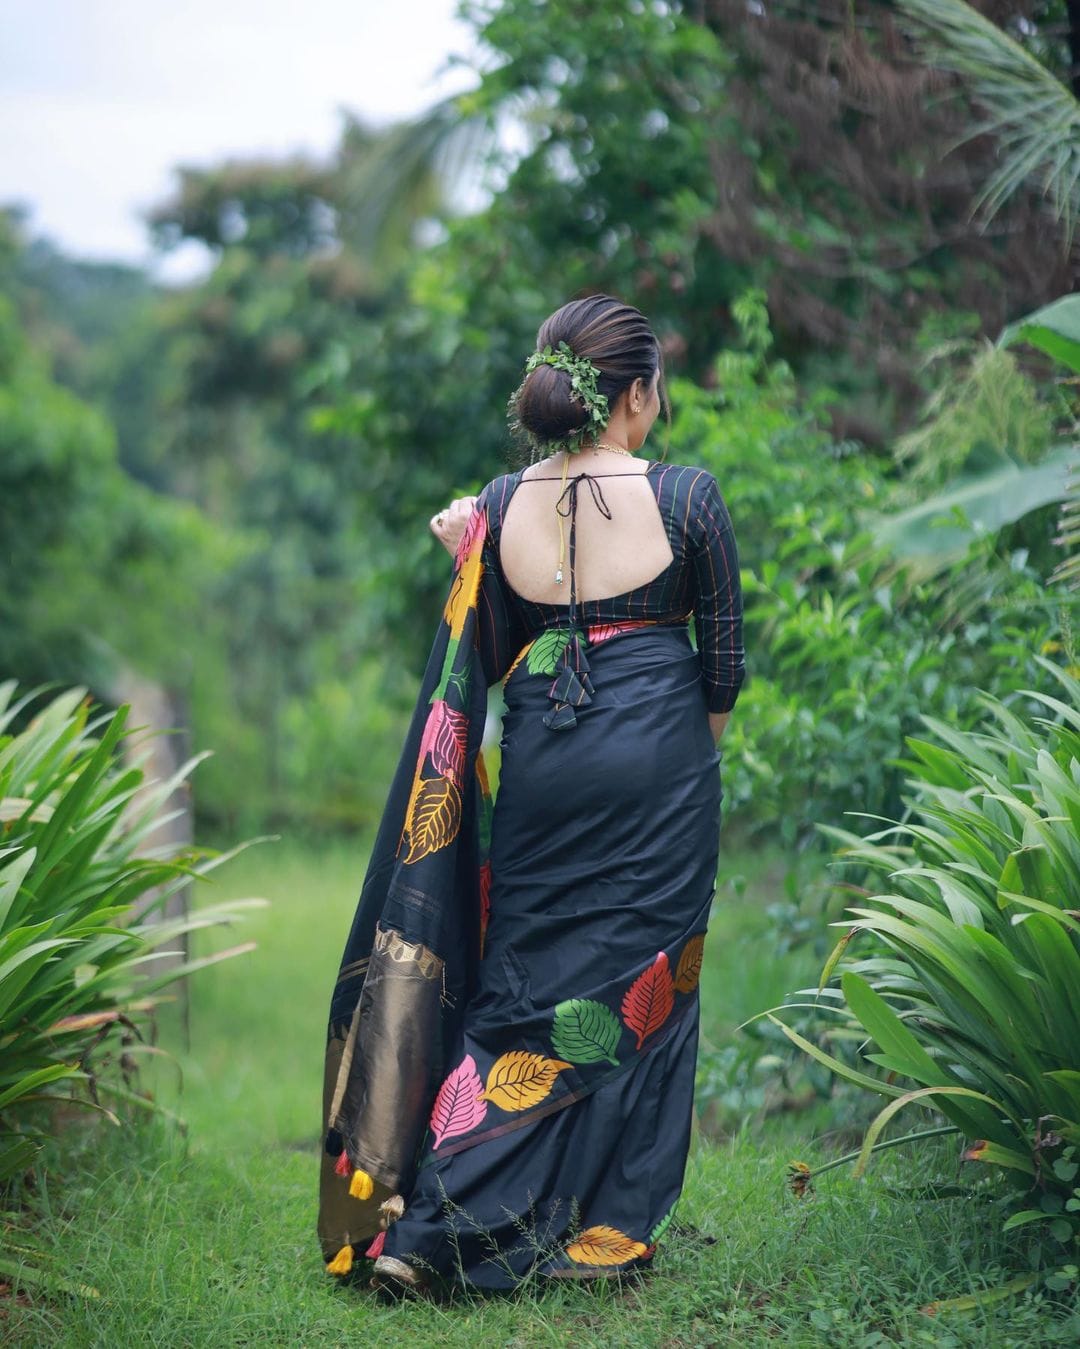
pixel 600 445
pixel 615 449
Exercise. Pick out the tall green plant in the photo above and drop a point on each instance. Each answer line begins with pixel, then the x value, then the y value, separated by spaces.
pixel 968 1001
pixel 79 934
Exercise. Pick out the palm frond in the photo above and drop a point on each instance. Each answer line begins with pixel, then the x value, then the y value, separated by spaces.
pixel 413 170
pixel 1034 117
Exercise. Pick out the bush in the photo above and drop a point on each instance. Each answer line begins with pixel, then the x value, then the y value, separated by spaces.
pixel 968 1001
pixel 79 933
pixel 849 653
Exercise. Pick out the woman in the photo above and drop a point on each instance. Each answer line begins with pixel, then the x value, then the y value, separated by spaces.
pixel 513 1033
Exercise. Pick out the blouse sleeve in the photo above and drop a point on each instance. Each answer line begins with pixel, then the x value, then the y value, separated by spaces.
pixel 500 631
pixel 718 608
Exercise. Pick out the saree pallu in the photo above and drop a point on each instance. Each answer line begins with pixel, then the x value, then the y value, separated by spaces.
pixel 512 1038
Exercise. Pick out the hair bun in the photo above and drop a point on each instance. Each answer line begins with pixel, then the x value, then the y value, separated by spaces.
pixel 588 353
pixel 547 406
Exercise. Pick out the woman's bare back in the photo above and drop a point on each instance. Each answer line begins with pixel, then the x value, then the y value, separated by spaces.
pixel 612 557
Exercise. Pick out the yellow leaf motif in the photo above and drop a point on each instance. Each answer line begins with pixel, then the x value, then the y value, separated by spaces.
pixel 463 593
pixel 519 1080
pixel 689 968
pixel 604 1246
pixel 517 660
pixel 434 817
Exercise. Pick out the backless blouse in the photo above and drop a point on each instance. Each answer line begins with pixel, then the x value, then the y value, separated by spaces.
pixel 702 580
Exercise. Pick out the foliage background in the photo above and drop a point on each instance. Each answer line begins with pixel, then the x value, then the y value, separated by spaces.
pixel 226 485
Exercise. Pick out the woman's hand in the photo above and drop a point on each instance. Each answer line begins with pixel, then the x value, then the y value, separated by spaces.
pixel 718 724
pixel 449 525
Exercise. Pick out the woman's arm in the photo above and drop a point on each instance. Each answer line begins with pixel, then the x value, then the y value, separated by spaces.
pixel 718 724
pixel 718 610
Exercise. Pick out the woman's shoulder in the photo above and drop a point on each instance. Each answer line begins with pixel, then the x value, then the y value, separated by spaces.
pixel 494 495
pixel 499 488
pixel 692 495
pixel 685 480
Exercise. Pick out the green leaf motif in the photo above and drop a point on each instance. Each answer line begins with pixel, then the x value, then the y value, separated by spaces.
pixel 544 654
pixel 585 1031
pixel 663 1225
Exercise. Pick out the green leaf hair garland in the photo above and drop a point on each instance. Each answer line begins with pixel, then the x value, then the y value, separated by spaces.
pixel 583 376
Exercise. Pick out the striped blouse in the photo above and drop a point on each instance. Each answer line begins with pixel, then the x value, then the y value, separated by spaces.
pixel 701 580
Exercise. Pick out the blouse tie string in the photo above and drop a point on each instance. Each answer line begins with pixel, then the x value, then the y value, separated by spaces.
pixel 572 687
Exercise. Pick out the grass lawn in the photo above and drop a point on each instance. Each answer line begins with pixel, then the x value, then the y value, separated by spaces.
pixel 209 1240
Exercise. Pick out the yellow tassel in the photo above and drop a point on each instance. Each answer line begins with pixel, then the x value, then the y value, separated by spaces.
pixel 361 1186
pixel 342 1262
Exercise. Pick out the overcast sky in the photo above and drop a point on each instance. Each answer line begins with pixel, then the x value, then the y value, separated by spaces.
pixel 99 99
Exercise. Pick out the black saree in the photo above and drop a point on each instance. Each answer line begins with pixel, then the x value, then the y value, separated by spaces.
pixel 510 1062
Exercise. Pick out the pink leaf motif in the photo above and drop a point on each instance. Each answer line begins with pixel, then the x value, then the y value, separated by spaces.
pixel 444 739
pixel 459 1106
pixel 475 533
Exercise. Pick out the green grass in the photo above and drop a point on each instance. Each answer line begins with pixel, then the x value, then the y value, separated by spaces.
pixel 209 1241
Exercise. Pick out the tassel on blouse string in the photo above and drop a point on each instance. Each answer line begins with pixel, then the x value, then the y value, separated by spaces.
pixel 572 687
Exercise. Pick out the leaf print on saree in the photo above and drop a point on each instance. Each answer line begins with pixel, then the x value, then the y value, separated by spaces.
pixel 433 818
pixel 472 540
pixel 460 1104
pixel 663 1225
pixel 603 632
pixel 545 652
pixel 648 1001
pixel 518 1080
pixel 485 902
pixel 605 1246
pixel 444 740
pixel 585 1031
pixel 688 970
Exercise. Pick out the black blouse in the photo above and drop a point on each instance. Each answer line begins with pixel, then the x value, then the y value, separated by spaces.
pixel 702 579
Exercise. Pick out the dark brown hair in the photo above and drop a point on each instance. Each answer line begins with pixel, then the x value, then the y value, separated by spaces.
pixel 618 340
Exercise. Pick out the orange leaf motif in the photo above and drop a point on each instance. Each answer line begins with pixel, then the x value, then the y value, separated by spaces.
pixel 688 970
pixel 519 1080
pixel 649 999
pixel 604 1246
pixel 434 817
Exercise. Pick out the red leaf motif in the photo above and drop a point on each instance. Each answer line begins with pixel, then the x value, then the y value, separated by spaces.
pixel 649 999
pixel 444 739
pixel 600 632
pixel 485 900
pixel 459 1105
